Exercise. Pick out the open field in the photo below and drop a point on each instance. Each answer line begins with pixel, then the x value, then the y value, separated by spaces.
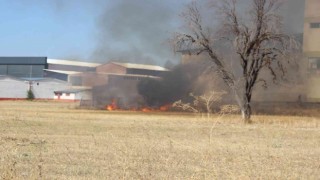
pixel 47 140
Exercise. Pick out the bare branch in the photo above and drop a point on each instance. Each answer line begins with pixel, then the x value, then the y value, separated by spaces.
pixel 255 37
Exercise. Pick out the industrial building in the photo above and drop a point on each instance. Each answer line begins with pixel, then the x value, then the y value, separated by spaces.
pixel 311 48
pixel 116 81
pixel 120 88
pixel 23 67
pixel 40 67
pixel 40 74
pixel 101 74
pixel 74 94
pixel 61 69
pixel 73 80
pixel 130 68
pixel 16 88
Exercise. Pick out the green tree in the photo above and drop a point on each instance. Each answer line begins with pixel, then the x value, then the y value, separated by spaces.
pixel 30 95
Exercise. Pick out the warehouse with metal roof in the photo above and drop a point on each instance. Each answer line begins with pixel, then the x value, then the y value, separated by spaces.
pixel 23 67
pixel 66 79
pixel 43 74
pixel 16 88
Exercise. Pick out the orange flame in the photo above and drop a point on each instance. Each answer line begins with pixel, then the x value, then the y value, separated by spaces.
pixel 165 107
pixel 146 109
pixel 113 106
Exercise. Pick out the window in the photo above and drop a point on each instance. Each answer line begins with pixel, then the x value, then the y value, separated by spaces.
pixel 315 25
pixel 314 63
pixel 67 94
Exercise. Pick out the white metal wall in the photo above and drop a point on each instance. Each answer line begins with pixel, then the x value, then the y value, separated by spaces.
pixel 12 88
pixel 44 89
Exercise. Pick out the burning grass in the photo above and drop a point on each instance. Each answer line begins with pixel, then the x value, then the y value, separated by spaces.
pixel 46 140
pixel 113 106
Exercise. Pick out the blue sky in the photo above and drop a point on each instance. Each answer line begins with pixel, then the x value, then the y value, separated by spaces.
pixel 93 30
pixel 47 28
pixel 69 29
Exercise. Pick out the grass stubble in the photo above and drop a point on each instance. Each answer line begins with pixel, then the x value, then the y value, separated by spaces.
pixel 50 140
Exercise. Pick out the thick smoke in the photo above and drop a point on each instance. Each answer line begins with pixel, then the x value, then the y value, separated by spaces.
pixel 137 31
pixel 294 16
pixel 191 77
pixel 293 23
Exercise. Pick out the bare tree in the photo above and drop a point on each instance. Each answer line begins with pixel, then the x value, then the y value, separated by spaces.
pixel 209 99
pixel 202 103
pixel 255 38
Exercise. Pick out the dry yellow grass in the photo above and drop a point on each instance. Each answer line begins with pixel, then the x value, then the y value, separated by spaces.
pixel 47 140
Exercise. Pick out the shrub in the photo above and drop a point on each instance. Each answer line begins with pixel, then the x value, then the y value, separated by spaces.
pixel 30 95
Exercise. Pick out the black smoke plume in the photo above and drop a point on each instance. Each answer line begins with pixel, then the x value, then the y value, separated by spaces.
pixel 192 77
pixel 137 31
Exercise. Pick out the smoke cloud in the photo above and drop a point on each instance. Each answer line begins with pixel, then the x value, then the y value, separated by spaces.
pixel 137 31
pixel 294 16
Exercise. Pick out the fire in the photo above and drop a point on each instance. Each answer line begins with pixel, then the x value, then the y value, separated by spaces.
pixel 146 109
pixel 165 107
pixel 113 106
pixel 161 108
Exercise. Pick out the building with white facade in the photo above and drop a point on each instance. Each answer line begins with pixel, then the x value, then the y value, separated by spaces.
pixel 311 48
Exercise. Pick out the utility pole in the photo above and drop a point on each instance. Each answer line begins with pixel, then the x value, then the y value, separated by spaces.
pixel 30 85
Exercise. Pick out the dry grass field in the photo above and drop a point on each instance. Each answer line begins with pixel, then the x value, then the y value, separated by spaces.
pixel 48 140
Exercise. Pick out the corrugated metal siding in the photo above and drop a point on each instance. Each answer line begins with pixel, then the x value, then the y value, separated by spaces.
pixel 60 76
pixel 69 68
pixel 23 67
pixel 72 63
pixel 17 89
pixel 11 88
pixel 23 60
pixel 45 89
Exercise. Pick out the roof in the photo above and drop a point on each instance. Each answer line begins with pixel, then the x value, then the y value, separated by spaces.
pixel 132 75
pixel 32 79
pixel 3 77
pixel 141 66
pixel 23 60
pixel 74 90
pixel 51 80
pixel 62 72
pixel 72 63
pixel 117 74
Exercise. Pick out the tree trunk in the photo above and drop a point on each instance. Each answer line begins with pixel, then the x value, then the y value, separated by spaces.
pixel 246 113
